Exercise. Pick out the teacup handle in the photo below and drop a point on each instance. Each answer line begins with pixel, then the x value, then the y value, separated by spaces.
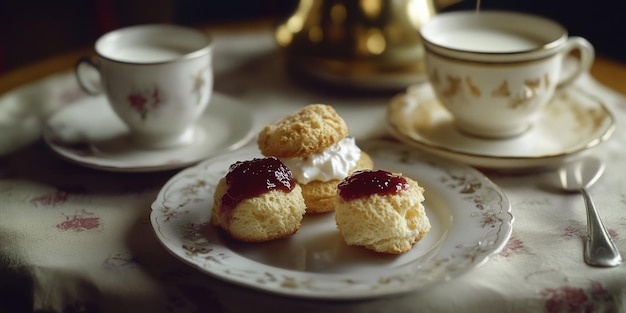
pixel 586 57
pixel 87 82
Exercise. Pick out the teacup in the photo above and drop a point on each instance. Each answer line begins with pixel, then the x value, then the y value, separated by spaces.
pixel 157 78
pixel 494 70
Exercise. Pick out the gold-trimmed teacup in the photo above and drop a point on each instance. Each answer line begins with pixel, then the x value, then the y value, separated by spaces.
pixel 495 70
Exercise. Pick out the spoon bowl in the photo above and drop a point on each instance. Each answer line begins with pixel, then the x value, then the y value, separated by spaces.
pixel 578 177
pixel 575 176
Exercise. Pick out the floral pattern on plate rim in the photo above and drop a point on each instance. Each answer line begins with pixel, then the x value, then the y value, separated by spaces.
pixel 489 219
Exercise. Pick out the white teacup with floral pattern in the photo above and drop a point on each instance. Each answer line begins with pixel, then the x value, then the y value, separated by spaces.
pixel 158 79
pixel 494 70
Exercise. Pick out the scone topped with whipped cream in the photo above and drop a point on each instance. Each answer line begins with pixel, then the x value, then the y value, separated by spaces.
pixel 314 143
pixel 381 211
pixel 258 200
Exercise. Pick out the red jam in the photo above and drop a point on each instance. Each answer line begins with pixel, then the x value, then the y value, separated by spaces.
pixel 368 182
pixel 248 179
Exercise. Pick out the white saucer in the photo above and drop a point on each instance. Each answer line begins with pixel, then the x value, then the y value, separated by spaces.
pixel 90 134
pixel 572 123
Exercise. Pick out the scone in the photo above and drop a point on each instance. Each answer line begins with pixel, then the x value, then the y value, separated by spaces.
pixel 258 200
pixel 313 142
pixel 381 211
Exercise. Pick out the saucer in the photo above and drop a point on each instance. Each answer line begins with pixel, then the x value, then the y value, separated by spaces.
pixel 572 123
pixel 90 134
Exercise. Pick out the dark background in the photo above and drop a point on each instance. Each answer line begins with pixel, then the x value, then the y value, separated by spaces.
pixel 32 30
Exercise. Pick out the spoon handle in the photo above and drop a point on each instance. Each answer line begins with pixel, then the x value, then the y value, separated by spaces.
pixel 599 248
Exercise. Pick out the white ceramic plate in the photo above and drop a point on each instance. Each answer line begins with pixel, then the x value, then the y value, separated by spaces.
pixel 470 217
pixel 572 123
pixel 90 134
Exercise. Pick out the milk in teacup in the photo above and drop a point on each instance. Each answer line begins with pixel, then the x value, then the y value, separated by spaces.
pixel 149 53
pixel 487 40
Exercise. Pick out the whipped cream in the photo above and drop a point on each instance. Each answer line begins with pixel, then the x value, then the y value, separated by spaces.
pixel 334 163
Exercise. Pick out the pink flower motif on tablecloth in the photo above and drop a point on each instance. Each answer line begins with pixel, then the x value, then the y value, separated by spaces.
pixel 571 231
pixel 513 246
pixel 50 199
pixel 81 221
pixel 577 231
pixel 144 101
pixel 570 299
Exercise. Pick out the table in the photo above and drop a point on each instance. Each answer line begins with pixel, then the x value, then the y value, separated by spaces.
pixel 74 239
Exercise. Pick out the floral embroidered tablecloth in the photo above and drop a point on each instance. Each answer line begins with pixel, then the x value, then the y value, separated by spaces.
pixel 74 239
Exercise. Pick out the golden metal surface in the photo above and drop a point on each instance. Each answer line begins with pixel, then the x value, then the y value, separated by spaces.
pixel 364 43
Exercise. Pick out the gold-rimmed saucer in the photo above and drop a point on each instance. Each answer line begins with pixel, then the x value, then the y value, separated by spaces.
pixel 571 124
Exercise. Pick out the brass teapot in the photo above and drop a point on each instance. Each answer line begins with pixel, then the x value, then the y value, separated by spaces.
pixel 358 43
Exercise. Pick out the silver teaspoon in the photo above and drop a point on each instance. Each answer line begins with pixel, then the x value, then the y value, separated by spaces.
pixel 577 177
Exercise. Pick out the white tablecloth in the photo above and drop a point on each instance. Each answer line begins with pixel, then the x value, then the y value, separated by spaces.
pixel 79 240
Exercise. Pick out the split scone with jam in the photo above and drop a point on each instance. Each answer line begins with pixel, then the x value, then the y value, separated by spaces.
pixel 258 200
pixel 381 211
